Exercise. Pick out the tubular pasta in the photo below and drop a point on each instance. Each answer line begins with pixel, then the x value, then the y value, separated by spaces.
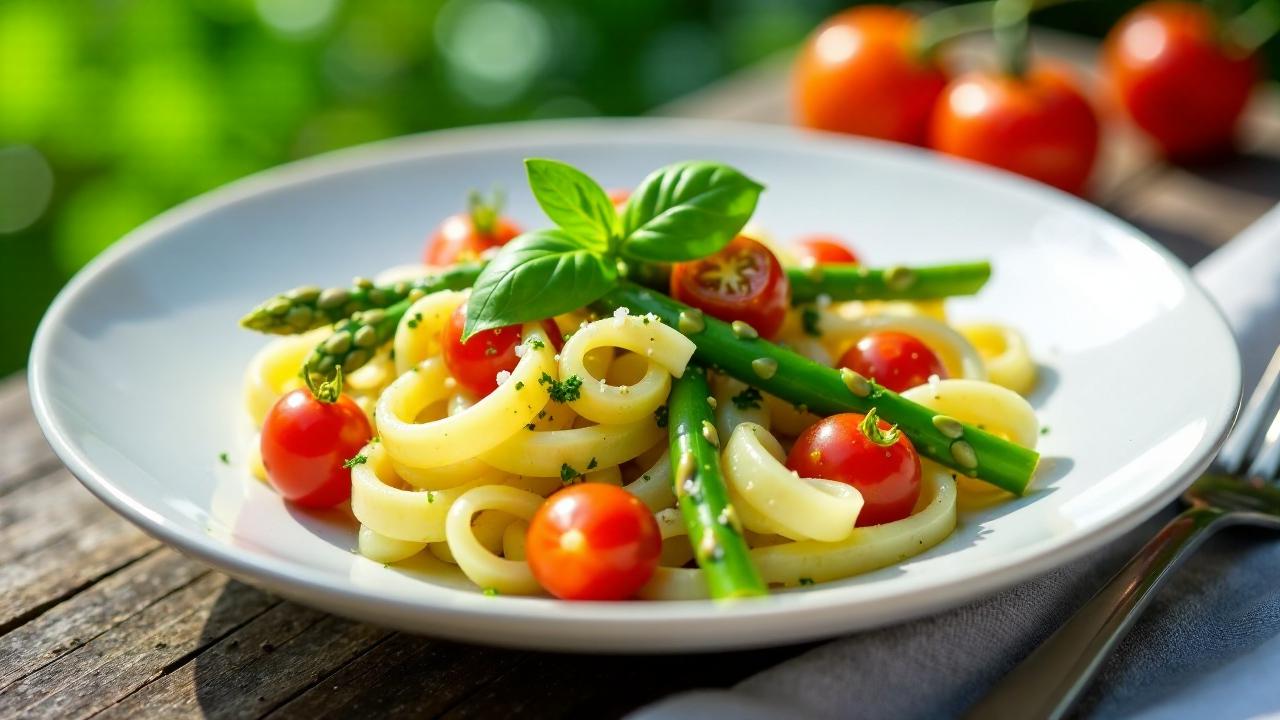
pixel 864 550
pixel 666 349
pixel 653 487
pixel 1005 354
pixel 799 508
pixel 482 566
pixel 546 453
pixel 418 334
pixel 501 415
pixel 383 549
pixel 380 501
pixel 273 371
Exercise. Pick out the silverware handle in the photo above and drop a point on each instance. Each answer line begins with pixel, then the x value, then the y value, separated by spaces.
pixel 1049 680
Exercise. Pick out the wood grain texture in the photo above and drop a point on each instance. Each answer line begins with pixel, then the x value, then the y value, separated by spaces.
pixel 24 453
pixel 87 615
pixel 96 619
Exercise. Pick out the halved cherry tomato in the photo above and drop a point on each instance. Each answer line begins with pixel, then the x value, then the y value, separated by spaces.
pixel 744 281
pixel 861 73
pixel 593 542
pixel 1176 73
pixel 895 360
pixel 465 236
pixel 1039 125
pixel 475 364
pixel 825 249
pixel 305 443
pixel 877 460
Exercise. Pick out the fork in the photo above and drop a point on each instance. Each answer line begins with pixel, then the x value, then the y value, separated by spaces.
pixel 1237 490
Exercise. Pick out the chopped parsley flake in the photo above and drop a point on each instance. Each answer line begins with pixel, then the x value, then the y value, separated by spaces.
pixel 747 399
pixel 519 385
pixel 809 320
pixel 490 592
pixel 415 321
pixel 566 390
pixel 431 497
pixel 531 426
pixel 224 458
pixel 567 474
pixel 536 344
pixel 1044 430
pixel 357 460
pixel 806 581
pixel 592 465
pixel 660 416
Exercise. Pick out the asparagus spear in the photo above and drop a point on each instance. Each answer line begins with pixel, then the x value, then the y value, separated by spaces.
pixel 355 340
pixel 307 308
pixel 852 282
pixel 739 352
pixel 714 529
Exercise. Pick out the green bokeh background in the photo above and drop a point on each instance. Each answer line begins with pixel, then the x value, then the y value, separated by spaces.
pixel 133 106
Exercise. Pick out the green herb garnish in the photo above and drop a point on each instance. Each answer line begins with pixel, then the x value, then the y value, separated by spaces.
pixel 562 391
pixel 748 399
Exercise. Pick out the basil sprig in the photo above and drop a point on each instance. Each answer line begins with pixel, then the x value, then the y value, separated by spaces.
pixel 680 212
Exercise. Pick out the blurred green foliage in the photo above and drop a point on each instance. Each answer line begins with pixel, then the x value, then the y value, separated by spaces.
pixel 112 111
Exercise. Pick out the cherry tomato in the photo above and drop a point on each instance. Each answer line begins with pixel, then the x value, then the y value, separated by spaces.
pixel 593 542
pixel 1170 67
pixel 475 364
pixel 465 235
pixel 861 73
pixel 882 464
pixel 305 443
pixel 895 360
pixel 619 196
pixel 1039 125
pixel 741 282
pixel 825 249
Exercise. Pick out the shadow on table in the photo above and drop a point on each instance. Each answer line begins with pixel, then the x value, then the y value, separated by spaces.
pixel 1257 173
pixel 294 662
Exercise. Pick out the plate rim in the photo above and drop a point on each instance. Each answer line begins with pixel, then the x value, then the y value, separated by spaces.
pixel 687 620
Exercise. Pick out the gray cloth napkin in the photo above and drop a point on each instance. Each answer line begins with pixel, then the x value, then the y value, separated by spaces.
pixel 1209 646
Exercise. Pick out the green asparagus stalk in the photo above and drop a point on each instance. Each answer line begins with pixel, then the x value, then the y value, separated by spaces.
pixel 307 308
pixel 853 282
pixel 714 529
pixel 355 340
pixel 738 351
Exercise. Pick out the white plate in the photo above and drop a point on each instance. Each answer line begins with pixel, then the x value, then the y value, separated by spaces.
pixel 135 374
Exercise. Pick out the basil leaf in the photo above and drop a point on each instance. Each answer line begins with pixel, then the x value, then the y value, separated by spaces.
pixel 535 276
pixel 573 200
pixel 687 211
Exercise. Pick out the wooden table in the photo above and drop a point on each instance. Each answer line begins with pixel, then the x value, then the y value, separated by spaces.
pixel 97 617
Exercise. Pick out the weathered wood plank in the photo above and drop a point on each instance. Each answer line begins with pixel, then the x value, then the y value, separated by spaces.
pixel 43 510
pixel 47 576
pixel 556 685
pixel 23 449
pixel 114 664
pixel 403 676
pixel 82 618
pixel 259 667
